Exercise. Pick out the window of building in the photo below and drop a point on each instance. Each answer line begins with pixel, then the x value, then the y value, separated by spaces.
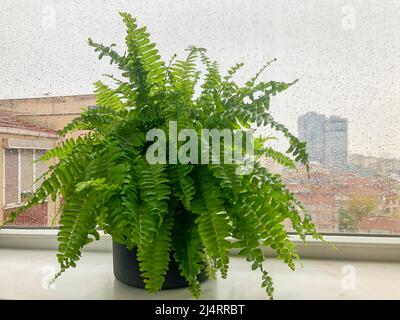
pixel 39 167
pixel 11 177
pixel 20 174
pixel 27 173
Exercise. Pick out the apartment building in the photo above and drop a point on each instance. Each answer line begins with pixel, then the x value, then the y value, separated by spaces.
pixel 28 127
pixel 327 139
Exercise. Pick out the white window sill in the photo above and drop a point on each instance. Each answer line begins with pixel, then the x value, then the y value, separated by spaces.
pixel 28 260
pixel 12 206
pixel 347 247
pixel 24 275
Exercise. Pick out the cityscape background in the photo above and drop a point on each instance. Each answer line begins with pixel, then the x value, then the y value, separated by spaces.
pixel 345 192
pixel 345 105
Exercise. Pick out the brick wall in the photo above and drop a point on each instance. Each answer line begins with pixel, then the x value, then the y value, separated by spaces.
pixel 36 216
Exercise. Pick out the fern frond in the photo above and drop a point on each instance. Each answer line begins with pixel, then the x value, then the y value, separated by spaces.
pixel 48 189
pixel 297 148
pixel 278 157
pixel 154 257
pixel 212 221
pixel 145 65
pixel 61 151
pixel 184 74
pixel 248 232
pixel 253 80
pixel 106 97
pixel 103 50
pixel 95 119
pixel 226 173
pixel 187 246
pixel 213 78
pixel 154 188
pixel 77 222
pixel 183 183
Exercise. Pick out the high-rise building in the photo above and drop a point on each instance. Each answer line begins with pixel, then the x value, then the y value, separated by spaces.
pixel 311 128
pixel 336 142
pixel 326 138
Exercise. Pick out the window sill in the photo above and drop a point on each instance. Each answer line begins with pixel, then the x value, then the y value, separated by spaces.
pixel 347 247
pixel 18 205
pixel 13 206
pixel 28 260
pixel 24 274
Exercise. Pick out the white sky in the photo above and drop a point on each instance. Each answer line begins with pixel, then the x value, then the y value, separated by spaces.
pixel 345 53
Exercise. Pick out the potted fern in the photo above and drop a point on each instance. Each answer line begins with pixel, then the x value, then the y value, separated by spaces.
pixel 174 220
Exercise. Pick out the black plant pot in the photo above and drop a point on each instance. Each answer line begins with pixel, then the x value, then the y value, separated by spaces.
pixel 126 270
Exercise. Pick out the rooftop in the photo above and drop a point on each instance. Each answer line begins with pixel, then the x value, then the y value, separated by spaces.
pixel 49 98
pixel 8 119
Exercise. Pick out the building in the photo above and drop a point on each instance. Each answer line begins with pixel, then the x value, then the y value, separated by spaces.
pixel 28 127
pixel 48 112
pixel 328 195
pixel 311 127
pixel 326 138
pixel 380 225
pixel 371 166
pixel 336 143
pixel 317 194
pixel 22 143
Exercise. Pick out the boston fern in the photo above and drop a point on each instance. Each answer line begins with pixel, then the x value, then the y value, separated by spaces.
pixel 197 212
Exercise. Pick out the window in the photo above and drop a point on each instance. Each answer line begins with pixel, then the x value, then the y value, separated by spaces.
pixel 345 105
pixel 39 167
pixel 27 172
pixel 20 173
pixel 11 177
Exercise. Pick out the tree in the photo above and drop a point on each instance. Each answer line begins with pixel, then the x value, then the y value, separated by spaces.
pixel 357 207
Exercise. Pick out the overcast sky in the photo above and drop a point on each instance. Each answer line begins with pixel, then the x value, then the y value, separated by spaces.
pixel 345 53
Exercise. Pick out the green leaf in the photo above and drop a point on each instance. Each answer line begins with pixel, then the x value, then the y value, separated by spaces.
pixel 154 257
